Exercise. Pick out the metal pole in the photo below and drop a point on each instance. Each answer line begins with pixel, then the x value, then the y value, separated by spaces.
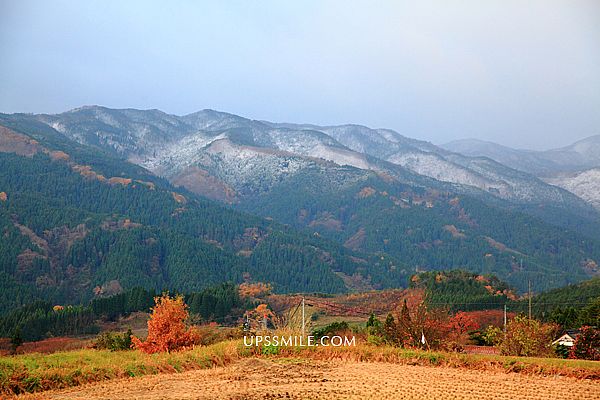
pixel 529 299
pixel 303 323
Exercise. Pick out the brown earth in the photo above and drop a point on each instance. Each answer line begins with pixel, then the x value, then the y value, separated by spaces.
pixel 454 231
pixel 356 240
pixel 295 379
pixel 326 220
pixel 13 142
pixel 201 182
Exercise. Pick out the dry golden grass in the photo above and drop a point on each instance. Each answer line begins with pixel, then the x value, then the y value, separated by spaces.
pixel 294 378
pixel 39 372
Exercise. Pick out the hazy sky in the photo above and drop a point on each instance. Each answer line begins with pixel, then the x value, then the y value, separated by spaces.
pixel 521 73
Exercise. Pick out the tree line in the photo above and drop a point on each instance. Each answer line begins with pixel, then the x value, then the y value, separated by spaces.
pixel 42 319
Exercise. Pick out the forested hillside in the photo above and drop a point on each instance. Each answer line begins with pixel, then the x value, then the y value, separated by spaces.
pixel 570 306
pixel 77 223
pixel 80 221
pixel 41 319
pixel 432 230
pixel 462 290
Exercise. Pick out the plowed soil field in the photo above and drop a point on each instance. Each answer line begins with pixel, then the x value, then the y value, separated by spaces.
pixel 294 379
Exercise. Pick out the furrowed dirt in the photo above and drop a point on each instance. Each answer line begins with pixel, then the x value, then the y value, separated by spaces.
pixel 310 379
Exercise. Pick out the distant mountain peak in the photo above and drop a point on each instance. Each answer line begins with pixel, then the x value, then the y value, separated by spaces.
pixel 168 144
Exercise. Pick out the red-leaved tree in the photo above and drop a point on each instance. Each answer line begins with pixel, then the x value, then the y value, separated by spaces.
pixel 167 327
pixel 461 324
pixel 587 344
pixel 420 326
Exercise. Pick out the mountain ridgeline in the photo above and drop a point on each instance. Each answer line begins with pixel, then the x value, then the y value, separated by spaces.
pixel 73 229
pixel 95 201
pixel 575 168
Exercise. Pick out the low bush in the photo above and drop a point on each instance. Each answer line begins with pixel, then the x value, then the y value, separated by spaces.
pixel 525 337
pixel 331 329
pixel 113 341
pixel 213 333
pixel 587 344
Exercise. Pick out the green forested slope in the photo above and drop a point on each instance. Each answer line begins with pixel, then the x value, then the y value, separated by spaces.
pixel 433 230
pixel 66 236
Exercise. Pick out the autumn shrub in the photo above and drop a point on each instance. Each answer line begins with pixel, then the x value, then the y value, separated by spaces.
pixel 587 344
pixel 256 290
pixel 260 317
pixel 113 341
pixel 461 325
pixel 418 326
pixel 213 333
pixel 525 337
pixel 334 328
pixel 168 329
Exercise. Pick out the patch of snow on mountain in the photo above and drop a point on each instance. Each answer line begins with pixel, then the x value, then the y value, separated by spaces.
pixel 297 141
pixel 436 167
pixel 178 155
pixel 340 156
pixel 250 170
pixel 585 184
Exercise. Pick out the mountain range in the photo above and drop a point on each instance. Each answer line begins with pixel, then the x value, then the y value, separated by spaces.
pixel 575 168
pixel 97 199
pixel 174 147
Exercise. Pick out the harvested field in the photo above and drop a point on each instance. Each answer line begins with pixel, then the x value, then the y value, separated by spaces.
pixel 336 379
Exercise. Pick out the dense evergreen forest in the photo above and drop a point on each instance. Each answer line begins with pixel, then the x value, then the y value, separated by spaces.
pixel 69 234
pixel 433 230
pixel 462 290
pixel 77 223
pixel 571 306
pixel 42 319
pixel 65 235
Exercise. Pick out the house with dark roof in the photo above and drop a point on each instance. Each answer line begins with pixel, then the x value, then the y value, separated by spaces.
pixel 568 338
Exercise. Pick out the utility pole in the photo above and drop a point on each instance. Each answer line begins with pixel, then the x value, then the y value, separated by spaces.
pixel 529 295
pixel 504 317
pixel 303 323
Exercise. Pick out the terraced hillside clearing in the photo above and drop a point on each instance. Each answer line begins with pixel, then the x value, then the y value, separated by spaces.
pixel 336 379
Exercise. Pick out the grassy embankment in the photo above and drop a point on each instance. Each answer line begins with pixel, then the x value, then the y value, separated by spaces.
pixel 39 372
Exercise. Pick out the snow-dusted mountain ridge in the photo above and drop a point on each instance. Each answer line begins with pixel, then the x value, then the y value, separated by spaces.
pixel 215 144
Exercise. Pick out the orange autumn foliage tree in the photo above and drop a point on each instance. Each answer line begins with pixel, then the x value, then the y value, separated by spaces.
pixel 167 327
pixel 254 290
pixel 259 317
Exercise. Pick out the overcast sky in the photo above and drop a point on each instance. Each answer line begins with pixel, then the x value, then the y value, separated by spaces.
pixel 521 73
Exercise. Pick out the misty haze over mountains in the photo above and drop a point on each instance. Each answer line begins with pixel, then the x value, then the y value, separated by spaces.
pixel 574 167
pixel 580 155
